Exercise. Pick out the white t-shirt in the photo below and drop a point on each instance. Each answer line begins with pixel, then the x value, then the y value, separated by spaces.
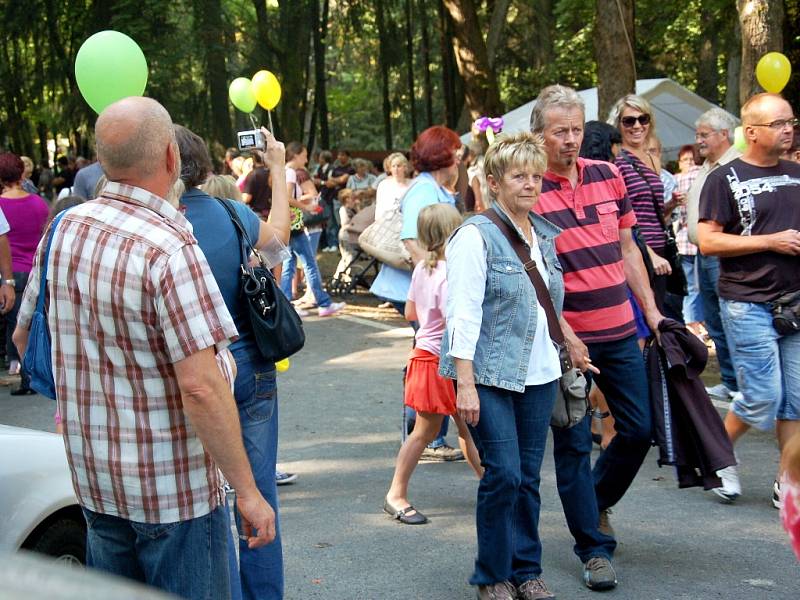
pixel 389 190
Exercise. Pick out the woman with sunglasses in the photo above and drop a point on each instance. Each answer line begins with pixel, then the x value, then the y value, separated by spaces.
pixel 633 116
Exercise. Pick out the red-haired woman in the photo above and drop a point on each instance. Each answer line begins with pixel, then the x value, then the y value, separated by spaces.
pixel 433 156
pixel 26 214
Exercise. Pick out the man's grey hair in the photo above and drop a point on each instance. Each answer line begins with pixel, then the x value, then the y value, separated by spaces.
pixel 718 120
pixel 131 135
pixel 554 96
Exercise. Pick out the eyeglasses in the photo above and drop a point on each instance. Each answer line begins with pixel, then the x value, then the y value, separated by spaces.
pixel 704 135
pixel 779 124
pixel 631 121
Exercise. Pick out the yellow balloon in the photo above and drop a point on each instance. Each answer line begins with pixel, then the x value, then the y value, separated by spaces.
pixel 282 365
pixel 773 71
pixel 266 89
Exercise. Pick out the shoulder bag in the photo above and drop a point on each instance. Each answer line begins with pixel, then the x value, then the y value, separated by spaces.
pixel 38 360
pixel 572 400
pixel 676 280
pixel 277 327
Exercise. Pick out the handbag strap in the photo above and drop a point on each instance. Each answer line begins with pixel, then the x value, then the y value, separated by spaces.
pixel 246 246
pixel 542 293
pixel 43 271
pixel 659 215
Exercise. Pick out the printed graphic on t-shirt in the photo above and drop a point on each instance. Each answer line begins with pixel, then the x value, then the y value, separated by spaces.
pixel 743 192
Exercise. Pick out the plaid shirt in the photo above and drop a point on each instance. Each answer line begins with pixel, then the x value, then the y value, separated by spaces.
pixel 130 294
pixel 681 225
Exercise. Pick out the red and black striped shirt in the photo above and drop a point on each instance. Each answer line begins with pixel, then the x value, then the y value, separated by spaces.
pixel 596 299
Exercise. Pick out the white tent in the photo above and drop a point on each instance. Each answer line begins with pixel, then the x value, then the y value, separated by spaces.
pixel 676 110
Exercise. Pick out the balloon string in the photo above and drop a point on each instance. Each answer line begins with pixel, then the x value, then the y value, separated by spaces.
pixel 269 118
pixel 252 120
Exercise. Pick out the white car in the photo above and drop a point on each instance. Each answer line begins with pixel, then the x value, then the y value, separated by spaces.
pixel 37 503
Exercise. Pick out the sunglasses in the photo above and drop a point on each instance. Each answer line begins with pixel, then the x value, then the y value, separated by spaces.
pixel 631 121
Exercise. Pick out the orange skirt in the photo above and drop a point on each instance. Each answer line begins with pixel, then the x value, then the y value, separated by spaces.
pixel 427 391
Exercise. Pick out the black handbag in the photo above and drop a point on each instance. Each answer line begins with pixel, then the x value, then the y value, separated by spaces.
pixel 676 280
pixel 786 314
pixel 277 327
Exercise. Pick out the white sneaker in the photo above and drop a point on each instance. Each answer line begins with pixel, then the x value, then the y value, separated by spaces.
pixel 327 311
pixel 719 391
pixel 777 499
pixel 731 486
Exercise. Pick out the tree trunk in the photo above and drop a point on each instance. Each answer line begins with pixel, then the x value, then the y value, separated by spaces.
pixel 412 97
pixel 209 26
pixel 707 71
pixel 448 68
pixel 732 103
pixel 613 47
pixel 320 90
pixel 380 17
pixel 762 31
pixel 496 26
pixel 481 92
pixel 426 62
pixel 544 24
pixel 293 53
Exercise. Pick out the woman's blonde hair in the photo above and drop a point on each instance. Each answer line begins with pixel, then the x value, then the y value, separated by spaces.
pixel 523 149
pixel 222 186
pixel 434 225
pixel 400 158
pixel 635 102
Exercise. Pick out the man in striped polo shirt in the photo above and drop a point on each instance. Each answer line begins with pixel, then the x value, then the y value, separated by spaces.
pixel 600 260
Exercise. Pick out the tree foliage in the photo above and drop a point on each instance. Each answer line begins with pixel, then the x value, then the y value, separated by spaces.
pixel 363 74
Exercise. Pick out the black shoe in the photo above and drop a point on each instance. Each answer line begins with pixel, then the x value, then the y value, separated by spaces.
pixel 22 392
pixel 402 515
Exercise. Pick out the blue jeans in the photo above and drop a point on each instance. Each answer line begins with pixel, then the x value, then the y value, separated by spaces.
pixel 510 436
pixel 313 239
pixel 707 278
pixel 767 365
pixel 261 569
pixel 692 304
pixel 300 247
pixel 623 380
pixel 185 558
pixel 572 451
pixel 331 209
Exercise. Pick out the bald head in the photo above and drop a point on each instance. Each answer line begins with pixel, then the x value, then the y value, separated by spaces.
pixel 761 108
pixel 133 136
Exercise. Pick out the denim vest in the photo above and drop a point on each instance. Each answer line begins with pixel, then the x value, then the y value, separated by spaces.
pixel 502 354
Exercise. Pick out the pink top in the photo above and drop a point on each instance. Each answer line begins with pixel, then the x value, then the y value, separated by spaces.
pixel 428 292
pixel 26 216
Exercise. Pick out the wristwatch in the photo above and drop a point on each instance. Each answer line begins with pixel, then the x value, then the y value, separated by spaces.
pixel 10 282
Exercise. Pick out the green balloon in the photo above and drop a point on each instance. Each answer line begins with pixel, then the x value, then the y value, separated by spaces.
pixel 110 66
pixel 241 94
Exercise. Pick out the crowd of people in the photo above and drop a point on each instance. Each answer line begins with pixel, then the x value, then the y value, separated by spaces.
pixel 579 248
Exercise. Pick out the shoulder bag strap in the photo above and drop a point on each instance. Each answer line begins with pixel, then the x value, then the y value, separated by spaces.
pixel 542 293
pixel 659 215
pixel 244 240
pixel 43 267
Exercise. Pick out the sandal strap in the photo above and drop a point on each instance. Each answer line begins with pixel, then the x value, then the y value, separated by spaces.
pixel 402 513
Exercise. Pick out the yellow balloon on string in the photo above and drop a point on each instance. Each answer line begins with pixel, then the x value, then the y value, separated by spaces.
pixel 773 71
pixel 266 89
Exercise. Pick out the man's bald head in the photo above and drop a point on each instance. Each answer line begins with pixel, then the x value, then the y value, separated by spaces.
pixel 132 137
pixel 761 107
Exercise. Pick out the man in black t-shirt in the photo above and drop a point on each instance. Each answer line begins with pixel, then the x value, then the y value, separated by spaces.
pixel 257 190
pixel 750 217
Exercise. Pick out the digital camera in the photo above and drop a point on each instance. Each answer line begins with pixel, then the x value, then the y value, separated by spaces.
pixel 251 140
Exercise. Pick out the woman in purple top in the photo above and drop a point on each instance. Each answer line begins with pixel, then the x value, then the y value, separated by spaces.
pixel 634 117
pixel 26 214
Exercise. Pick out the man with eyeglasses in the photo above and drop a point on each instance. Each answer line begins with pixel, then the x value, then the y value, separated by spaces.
pixel 750 218
pixel 714 136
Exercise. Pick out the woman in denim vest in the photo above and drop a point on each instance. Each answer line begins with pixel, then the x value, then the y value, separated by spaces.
pixel 499 349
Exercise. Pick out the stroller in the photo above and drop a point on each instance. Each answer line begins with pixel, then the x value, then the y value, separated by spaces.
pixel 356 271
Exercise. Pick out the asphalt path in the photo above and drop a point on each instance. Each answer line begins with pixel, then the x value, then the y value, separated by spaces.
pixel 340 411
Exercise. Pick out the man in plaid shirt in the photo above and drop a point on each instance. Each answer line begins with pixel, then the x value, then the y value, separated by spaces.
pixel 139 335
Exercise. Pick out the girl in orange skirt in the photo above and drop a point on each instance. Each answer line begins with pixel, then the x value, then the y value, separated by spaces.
pixel 431 396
